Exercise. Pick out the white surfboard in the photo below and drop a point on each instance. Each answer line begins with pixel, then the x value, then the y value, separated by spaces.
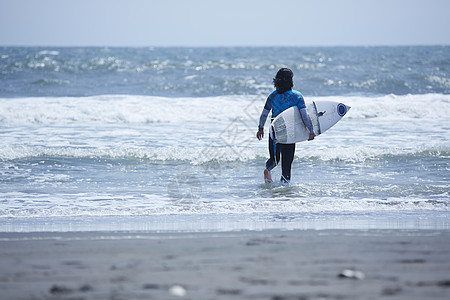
pixel 289 128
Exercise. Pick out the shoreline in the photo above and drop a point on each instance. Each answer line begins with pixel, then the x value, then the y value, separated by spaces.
pixel 269 264
pixel 368 220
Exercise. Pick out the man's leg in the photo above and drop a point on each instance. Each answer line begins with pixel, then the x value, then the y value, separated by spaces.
pixel 271 163
pixel 287 153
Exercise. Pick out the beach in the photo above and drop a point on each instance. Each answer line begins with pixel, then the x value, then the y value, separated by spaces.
pixel 270 264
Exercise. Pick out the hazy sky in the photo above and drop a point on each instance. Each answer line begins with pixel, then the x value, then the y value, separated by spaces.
pixel 224 22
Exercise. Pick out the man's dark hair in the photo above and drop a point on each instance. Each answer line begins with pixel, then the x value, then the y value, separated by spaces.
pixel 283 80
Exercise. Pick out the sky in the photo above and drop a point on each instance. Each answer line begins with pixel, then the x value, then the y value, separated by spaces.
pixel 192 23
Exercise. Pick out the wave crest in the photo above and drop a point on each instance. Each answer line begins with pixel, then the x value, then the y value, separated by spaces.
pixel 131 109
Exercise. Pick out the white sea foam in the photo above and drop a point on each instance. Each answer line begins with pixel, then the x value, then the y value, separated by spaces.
pixel 49 52
pixel 213 154
pixel 126 109
pixel 386 147
pixel 201 130
pixel 86 204
pixel 118 109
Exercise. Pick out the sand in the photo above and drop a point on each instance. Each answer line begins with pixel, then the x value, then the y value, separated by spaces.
pixel 299 264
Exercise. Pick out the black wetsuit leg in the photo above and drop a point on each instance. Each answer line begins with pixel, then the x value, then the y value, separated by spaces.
pixel 287 157
pixel 270 164
pixel 287 152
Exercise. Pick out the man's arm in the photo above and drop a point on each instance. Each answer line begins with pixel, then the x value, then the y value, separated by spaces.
pixel 307 121
pixel 264 114
pixel 262 121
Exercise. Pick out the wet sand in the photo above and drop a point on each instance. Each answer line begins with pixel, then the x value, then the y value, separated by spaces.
pixel 300 264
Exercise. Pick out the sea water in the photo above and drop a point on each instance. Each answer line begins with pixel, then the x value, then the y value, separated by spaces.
pixel 164 139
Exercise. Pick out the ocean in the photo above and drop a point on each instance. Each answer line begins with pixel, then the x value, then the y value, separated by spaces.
pixel 163 139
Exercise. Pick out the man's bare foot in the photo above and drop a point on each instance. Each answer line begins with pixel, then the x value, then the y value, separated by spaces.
pixel 267 177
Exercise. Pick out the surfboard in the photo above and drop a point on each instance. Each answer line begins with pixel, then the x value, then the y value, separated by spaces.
pixel 288 126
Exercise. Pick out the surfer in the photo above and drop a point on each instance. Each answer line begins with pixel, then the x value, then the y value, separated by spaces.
pixel 278 101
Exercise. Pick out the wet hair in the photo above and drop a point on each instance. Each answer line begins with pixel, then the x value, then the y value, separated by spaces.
pixel 283 80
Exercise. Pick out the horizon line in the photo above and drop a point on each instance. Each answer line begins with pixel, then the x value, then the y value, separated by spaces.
pixel 222 46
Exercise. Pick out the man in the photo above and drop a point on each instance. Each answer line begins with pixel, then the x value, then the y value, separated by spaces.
pixel 278 101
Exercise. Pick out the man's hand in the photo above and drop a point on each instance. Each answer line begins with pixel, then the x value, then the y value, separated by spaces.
pixel 260 134
pixel 311 137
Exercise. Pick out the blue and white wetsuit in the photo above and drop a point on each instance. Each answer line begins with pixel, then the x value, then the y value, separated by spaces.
pixel 279 102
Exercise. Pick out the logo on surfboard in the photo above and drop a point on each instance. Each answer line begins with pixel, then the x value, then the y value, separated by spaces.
pixel 341 109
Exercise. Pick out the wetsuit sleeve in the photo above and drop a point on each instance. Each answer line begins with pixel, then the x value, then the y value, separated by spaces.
pixel 307 120
pixel 301 102
pixel 265 112
pixel 262 119
pixel 304 114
